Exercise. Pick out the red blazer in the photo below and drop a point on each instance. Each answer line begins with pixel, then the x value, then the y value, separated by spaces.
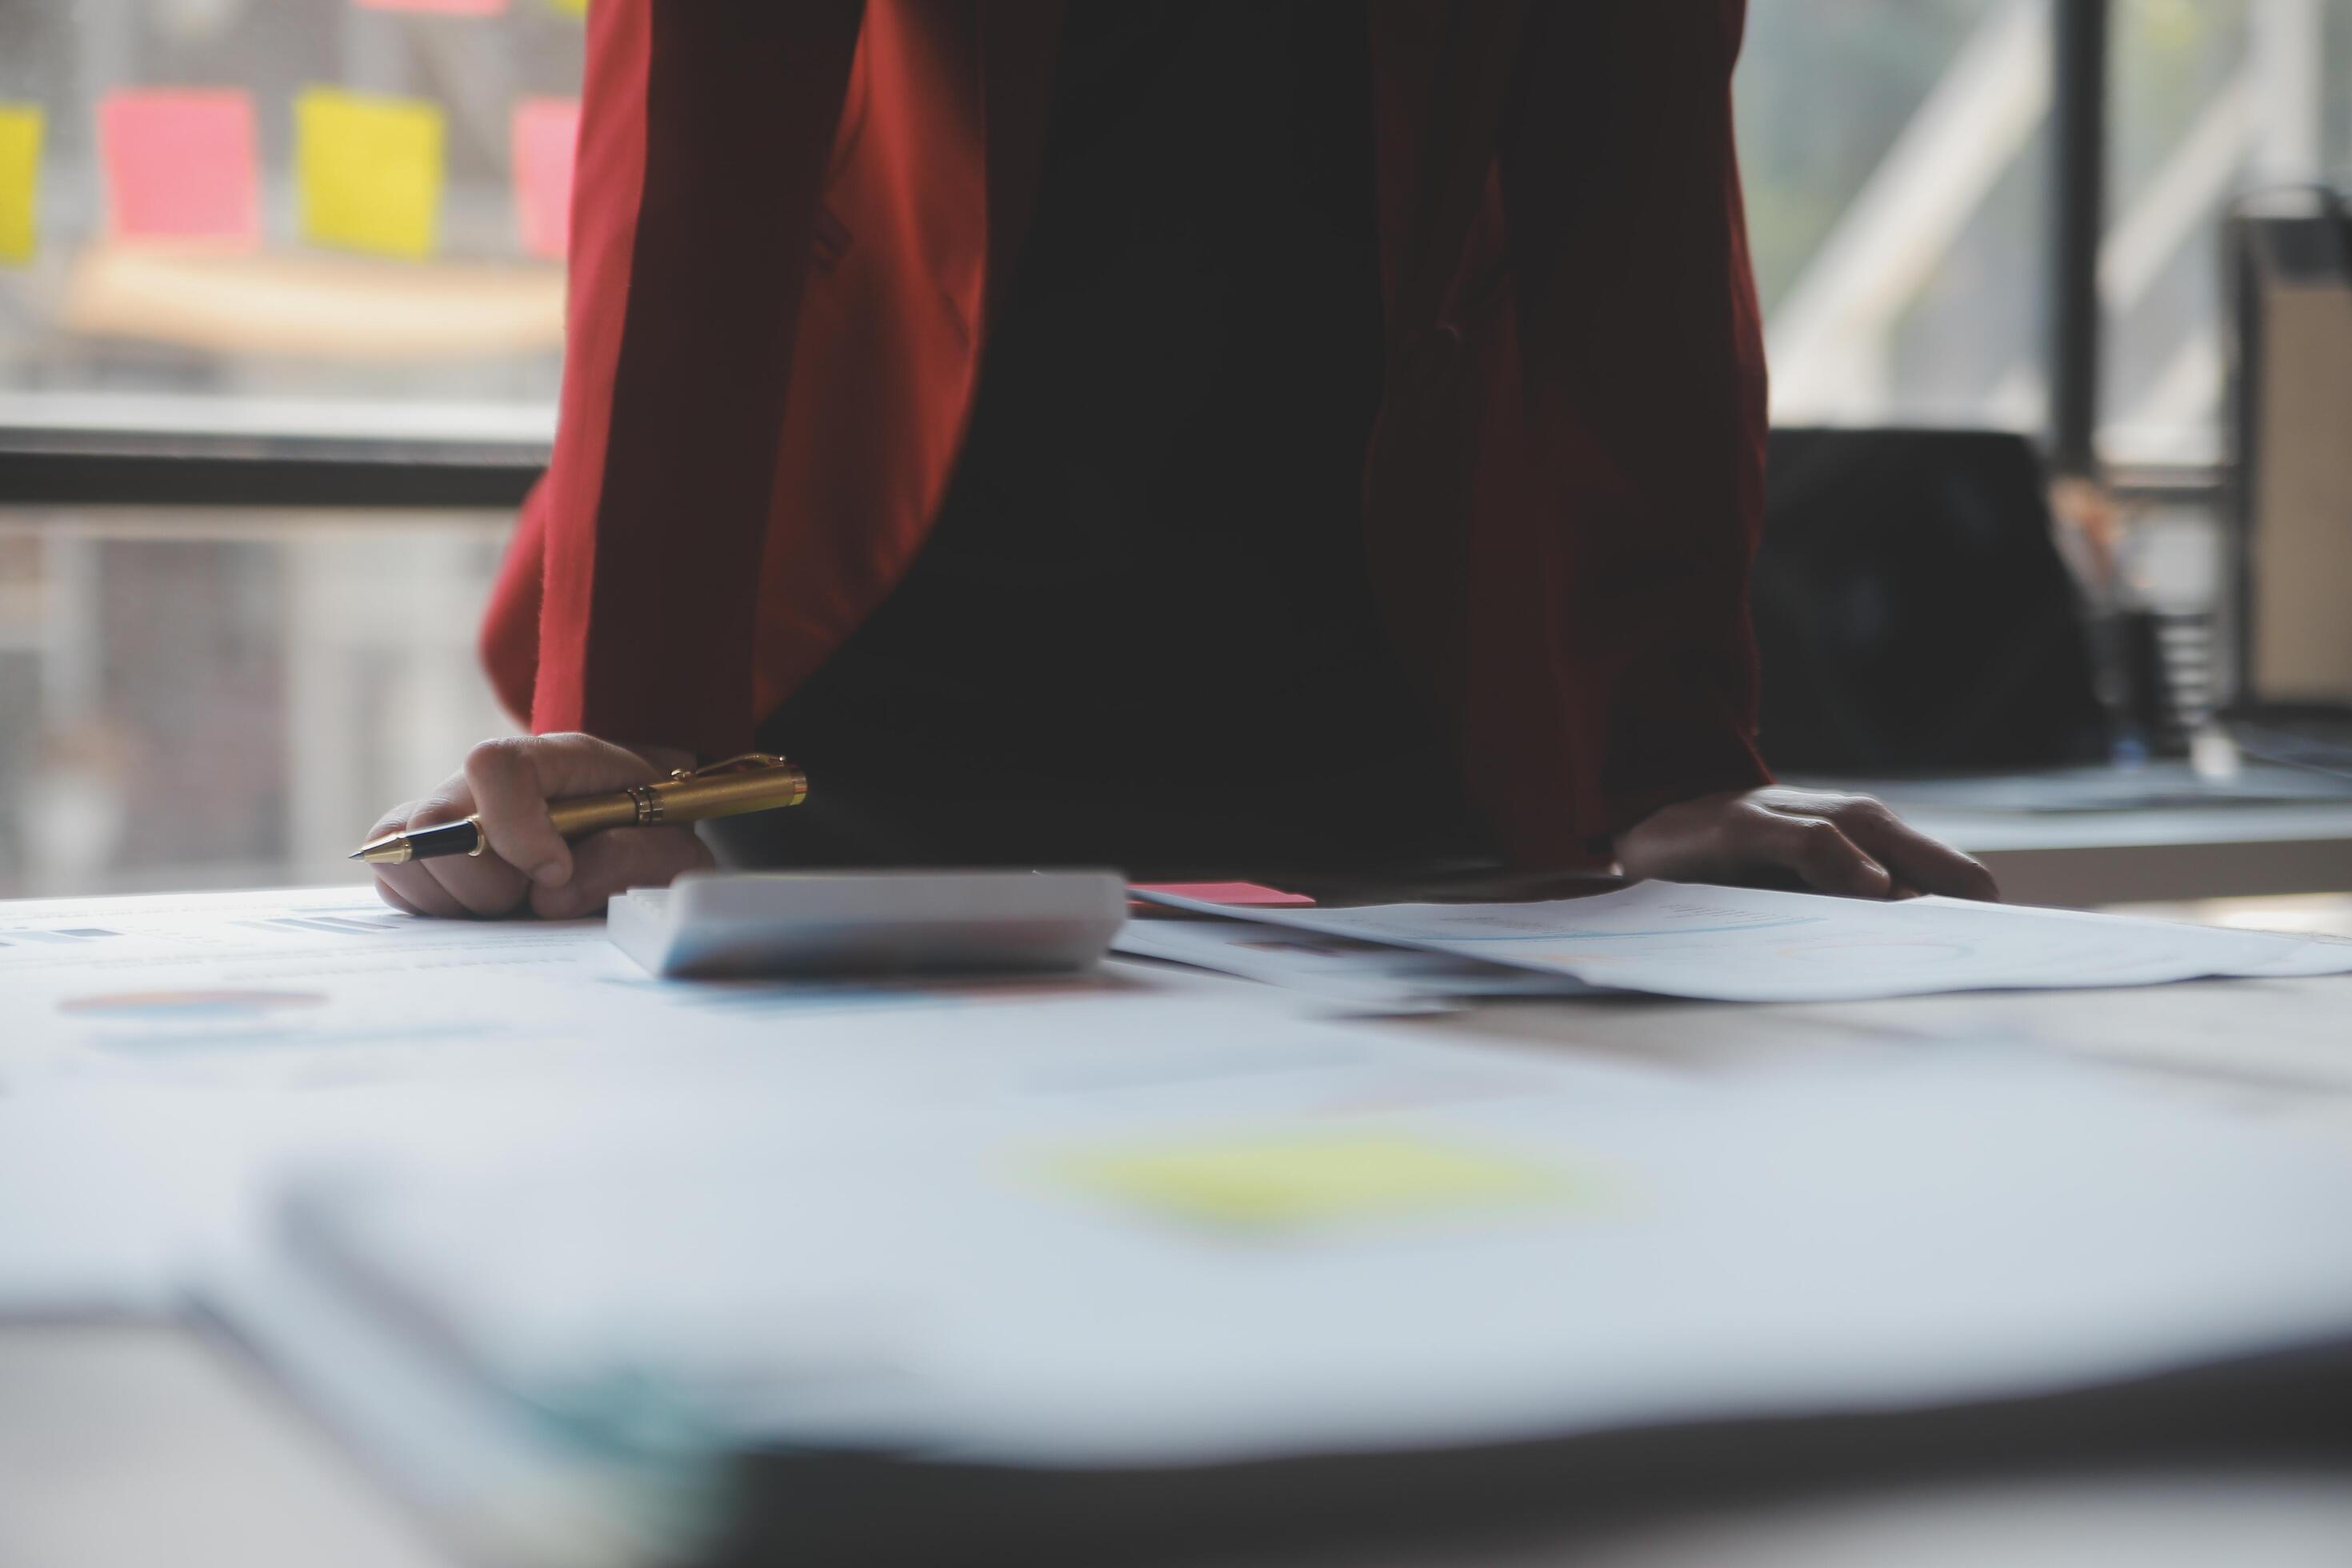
pixel 792 221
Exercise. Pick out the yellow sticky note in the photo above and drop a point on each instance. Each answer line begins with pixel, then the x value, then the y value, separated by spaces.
pixel 20 181
pixel 369 170
pixel 1266 1184
pixel 571 7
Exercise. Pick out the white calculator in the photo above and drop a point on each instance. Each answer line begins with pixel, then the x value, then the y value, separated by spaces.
pixel 740 923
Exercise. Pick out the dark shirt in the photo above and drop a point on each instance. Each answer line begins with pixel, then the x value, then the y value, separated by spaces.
pixel 1149 568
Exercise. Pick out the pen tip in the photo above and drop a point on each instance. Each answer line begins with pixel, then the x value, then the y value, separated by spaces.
pixel 356 855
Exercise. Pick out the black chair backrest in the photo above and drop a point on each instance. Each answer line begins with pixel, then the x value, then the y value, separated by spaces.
pixel 1913 610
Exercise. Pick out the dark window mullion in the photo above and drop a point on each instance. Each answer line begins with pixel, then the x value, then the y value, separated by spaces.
pixel 44 468
pixel 2077 225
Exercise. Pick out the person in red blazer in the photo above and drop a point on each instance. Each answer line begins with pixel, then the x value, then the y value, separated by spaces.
pixel 1163 434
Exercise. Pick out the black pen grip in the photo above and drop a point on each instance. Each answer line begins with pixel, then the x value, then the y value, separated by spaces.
pixel 447 839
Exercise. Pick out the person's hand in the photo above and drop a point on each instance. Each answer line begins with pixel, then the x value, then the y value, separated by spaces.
pixel 526 862
pixel 1846 844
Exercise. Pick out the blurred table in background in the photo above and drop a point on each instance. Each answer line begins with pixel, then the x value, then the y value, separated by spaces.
pixel 2092 837
pixel 2320 914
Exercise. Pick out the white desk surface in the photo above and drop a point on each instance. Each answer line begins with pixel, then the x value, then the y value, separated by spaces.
pixel 139 1443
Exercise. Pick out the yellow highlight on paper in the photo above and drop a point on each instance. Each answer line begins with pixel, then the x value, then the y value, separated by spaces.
pixel 369 170
pixel 20 181
pixel 1271 1184
pixel 571 7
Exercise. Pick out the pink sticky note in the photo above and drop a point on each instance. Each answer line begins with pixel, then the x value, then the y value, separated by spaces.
pixel 1224 892
pixel 180 165
pixel 542 139
pixel 437 7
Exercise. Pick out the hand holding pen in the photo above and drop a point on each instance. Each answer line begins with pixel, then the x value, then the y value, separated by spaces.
pixel 559 824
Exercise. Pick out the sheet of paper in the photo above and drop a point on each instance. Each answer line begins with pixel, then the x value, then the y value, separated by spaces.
pixel 1130 1218
pixel 1741 944
pixel 122 1188
pixel 180 165
pixel 369 170
pixel 326 987
pixel 541 138
pixel 280 986
pixel 20 182
pixel 160 1054
pixel 1366 975
pixel 1077 1290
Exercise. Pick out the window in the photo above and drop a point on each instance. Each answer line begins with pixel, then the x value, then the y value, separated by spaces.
pixel 1895 155
pixel 2208 100
pixel 276 219
pixel 195 699
pixel 285 216
pixel 1899 219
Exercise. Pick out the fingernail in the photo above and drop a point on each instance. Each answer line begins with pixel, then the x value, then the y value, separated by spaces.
pixel 552 874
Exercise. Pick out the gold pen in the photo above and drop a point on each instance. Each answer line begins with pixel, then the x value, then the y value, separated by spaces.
pixel 753 782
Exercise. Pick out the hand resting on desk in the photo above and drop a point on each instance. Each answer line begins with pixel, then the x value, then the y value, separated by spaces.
pixel 528 867
pixel 1811 839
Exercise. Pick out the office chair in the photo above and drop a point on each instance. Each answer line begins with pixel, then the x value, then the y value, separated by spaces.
pixel 1911 609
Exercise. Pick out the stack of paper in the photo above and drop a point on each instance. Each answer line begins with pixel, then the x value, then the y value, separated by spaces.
pixel 1740 944
pixel 1353 1257
pixel 1355 973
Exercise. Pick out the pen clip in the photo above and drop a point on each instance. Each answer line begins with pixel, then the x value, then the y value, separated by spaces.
pixel 750 762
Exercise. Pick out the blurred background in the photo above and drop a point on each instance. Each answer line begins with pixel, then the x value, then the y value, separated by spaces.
pixel 323 237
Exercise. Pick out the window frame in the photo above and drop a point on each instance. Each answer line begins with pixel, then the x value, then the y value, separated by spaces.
pixel 68 468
